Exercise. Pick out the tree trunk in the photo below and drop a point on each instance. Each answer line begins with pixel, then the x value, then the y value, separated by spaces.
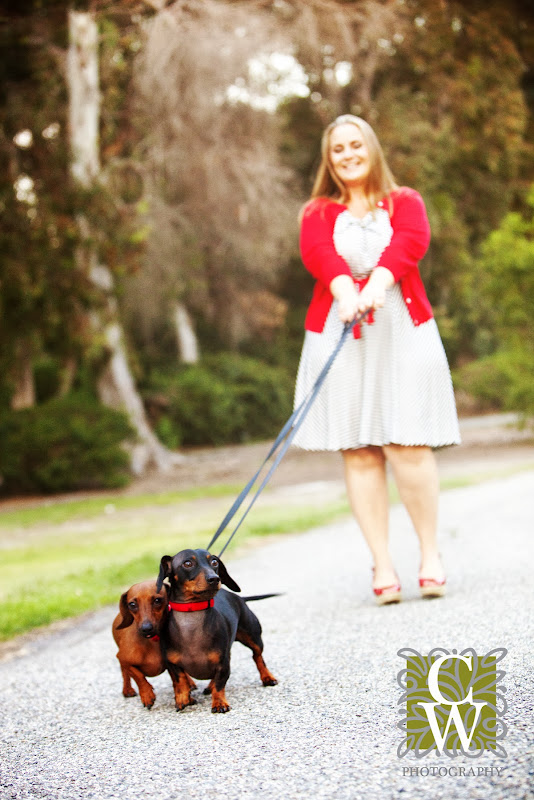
pixel 117 390
pixel 186 337
pixel 84 96
pixel 24 394
pixel 116 386
pixel 67 376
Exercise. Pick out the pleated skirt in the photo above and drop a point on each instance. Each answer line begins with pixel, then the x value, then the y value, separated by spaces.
pixel 392 386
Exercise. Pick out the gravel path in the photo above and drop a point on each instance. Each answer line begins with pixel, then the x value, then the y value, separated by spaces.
pixel 328 729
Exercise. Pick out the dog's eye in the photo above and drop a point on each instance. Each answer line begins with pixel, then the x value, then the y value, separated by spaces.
pixel 187 564
pixel 158 601
pixel 214 562
pixel 132 605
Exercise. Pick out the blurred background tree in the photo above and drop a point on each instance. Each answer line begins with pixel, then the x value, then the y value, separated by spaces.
pixel 41 292
pixel 220 205
pixel 447 87
pixel 504 279
pixel 210 119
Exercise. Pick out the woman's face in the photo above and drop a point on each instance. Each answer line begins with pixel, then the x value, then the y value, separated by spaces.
pixel 349 155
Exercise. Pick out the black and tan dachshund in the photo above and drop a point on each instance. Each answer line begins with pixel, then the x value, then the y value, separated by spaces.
pixel 204 621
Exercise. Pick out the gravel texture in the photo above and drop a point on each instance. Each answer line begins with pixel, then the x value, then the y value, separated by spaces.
pixel 328 730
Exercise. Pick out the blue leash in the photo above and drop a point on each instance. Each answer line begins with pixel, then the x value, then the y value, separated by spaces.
pixel 287 433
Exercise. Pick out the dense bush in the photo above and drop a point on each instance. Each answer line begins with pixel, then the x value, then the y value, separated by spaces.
pixel 63 445
pixel 226 398
pixel 504 289
pixel 502 380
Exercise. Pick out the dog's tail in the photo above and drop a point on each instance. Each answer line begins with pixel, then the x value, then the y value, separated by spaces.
pixel 261 596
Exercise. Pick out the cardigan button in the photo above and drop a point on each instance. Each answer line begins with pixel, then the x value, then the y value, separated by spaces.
pixel 408 299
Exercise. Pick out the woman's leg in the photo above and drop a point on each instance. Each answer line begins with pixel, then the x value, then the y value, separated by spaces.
pixel 365 476
pixel 416 474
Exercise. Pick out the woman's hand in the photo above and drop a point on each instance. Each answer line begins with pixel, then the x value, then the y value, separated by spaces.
pixel 345 292
pixel 373 294
pixel 352 302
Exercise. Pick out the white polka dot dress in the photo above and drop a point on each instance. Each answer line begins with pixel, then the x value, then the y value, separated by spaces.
pixel 391 386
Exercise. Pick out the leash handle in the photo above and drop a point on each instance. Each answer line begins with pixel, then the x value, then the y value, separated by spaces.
pixel 287 433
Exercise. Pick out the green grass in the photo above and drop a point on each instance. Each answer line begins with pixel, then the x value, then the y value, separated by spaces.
pixel 56 512
pixel 48 574
pixel 61 559
pixel 47 601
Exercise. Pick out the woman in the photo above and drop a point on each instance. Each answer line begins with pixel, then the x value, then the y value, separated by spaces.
pixel 388 397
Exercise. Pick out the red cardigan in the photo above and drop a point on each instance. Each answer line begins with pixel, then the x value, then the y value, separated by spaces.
pixel 409 243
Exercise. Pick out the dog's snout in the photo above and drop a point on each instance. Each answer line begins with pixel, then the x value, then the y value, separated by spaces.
pixel 212 579
pixel 146 627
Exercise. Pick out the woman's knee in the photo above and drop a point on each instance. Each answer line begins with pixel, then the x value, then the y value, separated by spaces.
pixel 407 454
pixel 364 458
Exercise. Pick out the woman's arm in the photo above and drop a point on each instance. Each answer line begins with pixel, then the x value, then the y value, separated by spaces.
pixel 373 294
pixel 409 243
pixel 345 292
pixel 411 234
pixel 317 250
pixel 352 302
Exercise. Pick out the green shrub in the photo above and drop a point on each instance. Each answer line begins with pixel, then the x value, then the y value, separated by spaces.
pixel 503 287
pixel 63 445
pixel 226 398
pixel 502 380
pixel 46 374
pixel 167 433
pixel 263 393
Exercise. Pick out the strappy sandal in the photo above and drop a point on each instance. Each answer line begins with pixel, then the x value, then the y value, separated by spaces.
pixel 386 595
pixel 431 587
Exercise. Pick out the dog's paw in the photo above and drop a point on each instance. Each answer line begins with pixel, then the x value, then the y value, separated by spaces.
pixel 148 700
pixel 147 694
pixel 130 692
pixel 269 680
pixel 180 705
pixel 220 708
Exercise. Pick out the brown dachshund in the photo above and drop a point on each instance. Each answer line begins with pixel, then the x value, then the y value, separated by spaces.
pixel 203 623
pixel 136 630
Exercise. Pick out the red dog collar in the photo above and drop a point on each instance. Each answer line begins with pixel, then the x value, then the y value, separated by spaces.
pixel 201 606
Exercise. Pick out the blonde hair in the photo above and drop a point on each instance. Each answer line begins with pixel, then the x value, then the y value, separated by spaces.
pixel 380 181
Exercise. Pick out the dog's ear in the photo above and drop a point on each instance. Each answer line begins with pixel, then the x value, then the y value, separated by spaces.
pixel 127 616
pixel 165 571
pixel 226 579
